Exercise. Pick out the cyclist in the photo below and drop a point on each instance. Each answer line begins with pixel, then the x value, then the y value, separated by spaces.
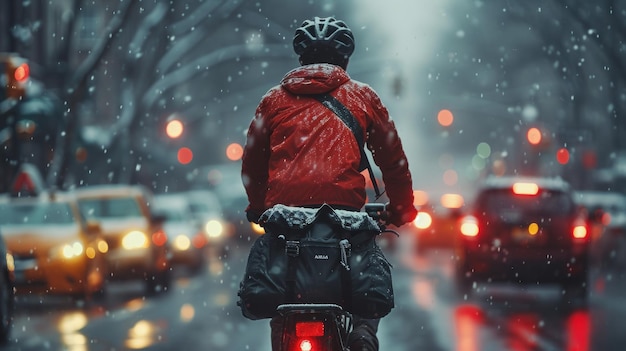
pixel 299 153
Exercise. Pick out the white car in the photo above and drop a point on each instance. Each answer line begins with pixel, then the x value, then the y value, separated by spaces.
pixel 186 237
pixel 206 209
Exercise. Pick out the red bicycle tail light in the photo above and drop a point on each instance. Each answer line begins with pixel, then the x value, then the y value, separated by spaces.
pixel 309 329
pixel 305 345
pixel 469 226
pixel 525 189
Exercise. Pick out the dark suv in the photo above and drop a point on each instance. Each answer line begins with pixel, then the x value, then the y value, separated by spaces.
pixel 525 231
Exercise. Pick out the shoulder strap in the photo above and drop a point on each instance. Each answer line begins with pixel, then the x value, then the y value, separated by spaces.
pixel 348 118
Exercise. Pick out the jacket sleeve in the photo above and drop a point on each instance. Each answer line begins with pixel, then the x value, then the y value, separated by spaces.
pixel 255 161
pixel 386 147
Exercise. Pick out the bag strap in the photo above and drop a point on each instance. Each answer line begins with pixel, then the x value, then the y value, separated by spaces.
pixel 292 250
pixel 350 121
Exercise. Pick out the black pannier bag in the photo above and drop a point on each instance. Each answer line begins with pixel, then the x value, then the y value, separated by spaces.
pixel 316 255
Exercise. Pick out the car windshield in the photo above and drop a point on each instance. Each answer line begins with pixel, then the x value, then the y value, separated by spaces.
pixel 110 208
pixel 38 213
pixel 546 202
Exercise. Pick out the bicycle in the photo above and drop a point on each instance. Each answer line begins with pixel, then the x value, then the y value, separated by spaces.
pixel 319 326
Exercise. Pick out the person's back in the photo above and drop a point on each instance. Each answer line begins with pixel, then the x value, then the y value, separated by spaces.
pixel 299 153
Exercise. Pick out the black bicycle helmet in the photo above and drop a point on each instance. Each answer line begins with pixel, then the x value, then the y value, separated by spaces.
pixel 324 33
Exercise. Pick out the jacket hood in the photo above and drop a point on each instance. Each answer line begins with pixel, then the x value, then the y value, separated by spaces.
pixel 312 79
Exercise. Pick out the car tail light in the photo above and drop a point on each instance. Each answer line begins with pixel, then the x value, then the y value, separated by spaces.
pixel 423 220
pixel 579 230
pixel 469 226
pixel 159 238
pixel 199 240
pixel 606 219
pixel 525 189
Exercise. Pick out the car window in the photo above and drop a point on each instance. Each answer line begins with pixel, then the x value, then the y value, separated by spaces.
pixel 546 202
pixel 110 208
pixel 39 213
pixel 172 214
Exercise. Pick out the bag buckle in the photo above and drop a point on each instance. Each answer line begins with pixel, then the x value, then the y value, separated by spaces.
pixel 292 248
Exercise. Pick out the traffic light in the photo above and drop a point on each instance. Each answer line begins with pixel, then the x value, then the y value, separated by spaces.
pixel 17 73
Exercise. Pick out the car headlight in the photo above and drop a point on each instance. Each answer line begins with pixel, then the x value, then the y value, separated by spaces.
pixel 10 262
pixel 182 243
pixel 68 251
pixel 214 228
pixel 135 240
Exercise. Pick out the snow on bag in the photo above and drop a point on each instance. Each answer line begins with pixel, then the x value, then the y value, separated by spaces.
pixel 316 255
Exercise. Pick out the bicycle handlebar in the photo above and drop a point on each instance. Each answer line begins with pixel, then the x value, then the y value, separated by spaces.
pixel 378 211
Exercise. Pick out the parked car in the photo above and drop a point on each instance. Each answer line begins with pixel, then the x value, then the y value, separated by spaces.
pixel 187 238
pixel 54 249
pixel 138 246
pixel 225 182
pixel 525 231
pixel 7 283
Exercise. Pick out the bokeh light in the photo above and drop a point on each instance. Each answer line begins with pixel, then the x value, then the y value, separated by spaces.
pixel 185 155
pixel 174 128
pixel 234 151
pixel 445 118
pixel 483 150
pixel 534 136
pixel 420 197
pixel 562 156
pixel 450 177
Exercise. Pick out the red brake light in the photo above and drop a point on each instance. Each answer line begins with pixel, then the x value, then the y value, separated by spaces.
pixel 469 226
pixel 580 230
pixel 199 240
pixel 525 189
pixel 606 218
pixel 307 329
pixel 159 238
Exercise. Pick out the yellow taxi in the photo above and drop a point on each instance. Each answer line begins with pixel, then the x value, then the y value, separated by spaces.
pixel 138 246
pixel 54 250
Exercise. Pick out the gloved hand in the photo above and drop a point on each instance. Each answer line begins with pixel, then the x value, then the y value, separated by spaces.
pixel 399 215
pixel 253 215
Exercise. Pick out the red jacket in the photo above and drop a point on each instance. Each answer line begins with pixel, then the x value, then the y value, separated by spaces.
pixel 300 153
